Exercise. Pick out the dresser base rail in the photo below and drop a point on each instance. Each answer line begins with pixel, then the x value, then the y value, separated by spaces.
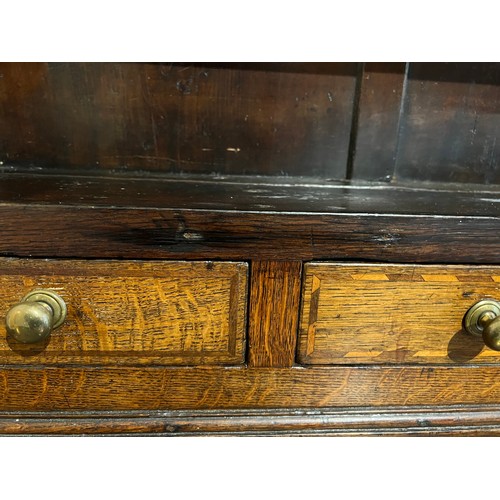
pixel 407 421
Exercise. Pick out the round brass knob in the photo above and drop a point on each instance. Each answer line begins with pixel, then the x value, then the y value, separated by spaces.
pixel 483 318
pixel 34 318
pixel 491 334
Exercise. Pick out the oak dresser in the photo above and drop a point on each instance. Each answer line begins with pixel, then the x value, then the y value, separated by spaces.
pixel 245 249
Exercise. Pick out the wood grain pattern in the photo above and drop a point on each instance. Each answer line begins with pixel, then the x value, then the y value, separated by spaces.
pixel 456 420
pixel 427 122
pixel 132 312
pixel 274 307
pixel 277 118
pixel 149 233
pixel 145 388
pixel 372 314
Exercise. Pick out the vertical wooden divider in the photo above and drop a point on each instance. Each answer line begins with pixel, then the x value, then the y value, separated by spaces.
pixel 380 108
pixel 275 288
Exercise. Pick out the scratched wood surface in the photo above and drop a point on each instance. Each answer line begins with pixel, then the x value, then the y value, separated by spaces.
pixel 267 119
pixel 391 122
pixel 132 312
pixel 375 314
pixel 169 388
pixel 106 217
pixel 469 420
pixel 425 122
pixel 244 194
pixel 449 123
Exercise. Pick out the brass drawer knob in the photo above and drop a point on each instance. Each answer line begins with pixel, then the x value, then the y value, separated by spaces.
pixel 483 318
pixel 34 318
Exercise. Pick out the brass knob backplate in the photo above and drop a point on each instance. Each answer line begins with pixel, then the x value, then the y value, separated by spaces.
pixel 483 319
pixel 34 318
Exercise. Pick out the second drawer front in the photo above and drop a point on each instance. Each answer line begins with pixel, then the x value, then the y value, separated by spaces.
pixel 129 312
pixel 376 314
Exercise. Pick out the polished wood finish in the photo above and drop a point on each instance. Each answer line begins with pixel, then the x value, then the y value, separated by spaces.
pixel 416 421
pixel 273 322
pixel 372 314
pixel 272 166
pixel 125 312
pixel 44 388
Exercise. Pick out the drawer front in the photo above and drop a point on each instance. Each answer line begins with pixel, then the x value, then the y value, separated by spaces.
pixel 131 312
pixel 376 314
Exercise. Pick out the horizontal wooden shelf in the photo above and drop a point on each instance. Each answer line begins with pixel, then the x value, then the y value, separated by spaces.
pixel 200 218
pixel 264 195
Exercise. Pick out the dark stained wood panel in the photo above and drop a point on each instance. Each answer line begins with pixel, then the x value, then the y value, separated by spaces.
pixel 252 194
pixel 273 119
pixel 381 314
pixel 191 234
pixel 168 388
pixel 274 307
pixel 130 312
pixel 225 219
pixel 449 127
pixel 435 122
pixel 377 126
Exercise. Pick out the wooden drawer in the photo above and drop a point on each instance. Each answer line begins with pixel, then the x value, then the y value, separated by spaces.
pixel 132 312
pixel 376 314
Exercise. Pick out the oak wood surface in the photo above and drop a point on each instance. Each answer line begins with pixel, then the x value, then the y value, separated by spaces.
pixel 273 306
pixel 376 314
pixel 191 234
pixel 173 388
pixel 432 123
pixel 131 312
pixel 456 420
pixel 196 219
pixel 275 118
pixel 427 122
pixel 303 195
pixel 449 123
pixel 390 122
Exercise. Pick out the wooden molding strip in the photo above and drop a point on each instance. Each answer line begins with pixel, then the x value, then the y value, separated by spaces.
pixel 137 233
pixel 470 421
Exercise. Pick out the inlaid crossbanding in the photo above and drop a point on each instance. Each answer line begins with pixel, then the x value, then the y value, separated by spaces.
pixel 372 314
